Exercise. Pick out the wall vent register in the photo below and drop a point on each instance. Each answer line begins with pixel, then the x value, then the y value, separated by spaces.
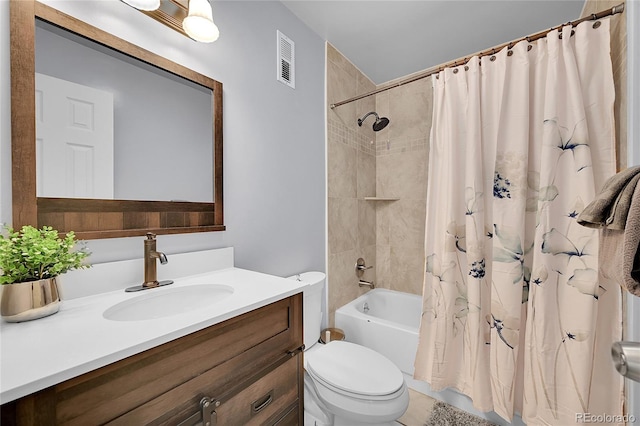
pixel 286 60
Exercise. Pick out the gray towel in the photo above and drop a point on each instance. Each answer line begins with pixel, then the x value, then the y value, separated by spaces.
pixel 610 208
pixel 631 246
pixel 619 255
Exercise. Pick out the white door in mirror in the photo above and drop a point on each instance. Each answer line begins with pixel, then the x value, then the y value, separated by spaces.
pixel 74 140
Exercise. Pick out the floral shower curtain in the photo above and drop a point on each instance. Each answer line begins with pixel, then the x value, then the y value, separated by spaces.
pixel 515 312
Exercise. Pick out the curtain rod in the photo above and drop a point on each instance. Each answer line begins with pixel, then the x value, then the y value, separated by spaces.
pixel 594 16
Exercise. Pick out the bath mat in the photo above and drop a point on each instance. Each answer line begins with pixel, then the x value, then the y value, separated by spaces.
pixel 446 415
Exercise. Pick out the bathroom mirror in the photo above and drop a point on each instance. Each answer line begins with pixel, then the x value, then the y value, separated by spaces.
pixel 123 129
pixel 176 162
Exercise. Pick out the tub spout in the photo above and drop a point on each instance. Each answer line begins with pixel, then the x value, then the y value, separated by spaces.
pixel 363 283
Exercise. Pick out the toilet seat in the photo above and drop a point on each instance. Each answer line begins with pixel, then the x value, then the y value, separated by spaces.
pixel 355 371
pixel 357 410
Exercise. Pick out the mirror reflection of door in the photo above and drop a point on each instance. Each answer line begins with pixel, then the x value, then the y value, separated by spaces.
pixel 74 140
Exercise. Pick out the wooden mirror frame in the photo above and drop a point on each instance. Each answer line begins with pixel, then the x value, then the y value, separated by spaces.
pixel 94 218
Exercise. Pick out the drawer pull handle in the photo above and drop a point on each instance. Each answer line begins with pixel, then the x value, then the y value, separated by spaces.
pixel 261 403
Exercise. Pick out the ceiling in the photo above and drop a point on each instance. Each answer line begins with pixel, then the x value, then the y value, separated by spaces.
pixel 389 39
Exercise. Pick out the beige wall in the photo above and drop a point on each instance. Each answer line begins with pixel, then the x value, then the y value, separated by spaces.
pixel 351 174
pixel 619 60
pixel 402 156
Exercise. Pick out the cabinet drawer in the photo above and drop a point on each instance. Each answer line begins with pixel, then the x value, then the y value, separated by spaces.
pixel 182 405
pixel 260 401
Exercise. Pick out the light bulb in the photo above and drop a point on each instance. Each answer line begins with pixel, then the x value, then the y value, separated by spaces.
pixel 199 23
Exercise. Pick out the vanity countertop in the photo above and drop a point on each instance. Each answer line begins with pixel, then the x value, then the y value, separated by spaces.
pixel 37 354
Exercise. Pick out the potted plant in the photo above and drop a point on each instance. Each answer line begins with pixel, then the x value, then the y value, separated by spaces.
pixel 30 261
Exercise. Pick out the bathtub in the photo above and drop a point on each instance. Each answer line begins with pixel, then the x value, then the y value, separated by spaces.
pixel 386 321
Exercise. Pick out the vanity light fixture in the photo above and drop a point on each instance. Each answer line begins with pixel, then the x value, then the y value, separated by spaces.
pixel 199 22
pixel 143 4
pixel 192 18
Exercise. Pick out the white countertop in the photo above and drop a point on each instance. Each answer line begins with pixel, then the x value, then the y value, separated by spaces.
pixel 37 354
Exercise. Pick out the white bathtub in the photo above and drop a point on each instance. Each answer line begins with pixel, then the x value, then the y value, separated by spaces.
pixel 389 325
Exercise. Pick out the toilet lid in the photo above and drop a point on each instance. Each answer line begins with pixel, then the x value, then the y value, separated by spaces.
pixel 355 369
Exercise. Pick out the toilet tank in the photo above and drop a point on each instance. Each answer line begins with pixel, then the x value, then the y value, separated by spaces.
pixel 312 305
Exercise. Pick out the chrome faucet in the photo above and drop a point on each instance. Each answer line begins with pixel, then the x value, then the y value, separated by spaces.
pixel 150 266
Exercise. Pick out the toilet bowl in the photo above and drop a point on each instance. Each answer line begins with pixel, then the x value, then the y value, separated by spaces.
pixel 345 383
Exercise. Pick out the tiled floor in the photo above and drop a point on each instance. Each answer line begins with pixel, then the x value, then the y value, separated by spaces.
pixel 420 407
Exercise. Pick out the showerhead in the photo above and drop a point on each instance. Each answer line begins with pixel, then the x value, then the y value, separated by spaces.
pixel 378 125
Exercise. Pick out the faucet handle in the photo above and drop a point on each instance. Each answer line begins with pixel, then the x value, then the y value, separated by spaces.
pixel 361 267
pixel 151 236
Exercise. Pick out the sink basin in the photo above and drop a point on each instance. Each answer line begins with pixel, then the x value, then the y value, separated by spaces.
pixel 165 302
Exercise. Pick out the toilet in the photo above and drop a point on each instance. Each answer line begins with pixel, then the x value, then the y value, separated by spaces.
pixel 345 383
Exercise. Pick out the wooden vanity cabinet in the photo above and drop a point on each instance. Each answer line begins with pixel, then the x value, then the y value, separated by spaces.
pixel 246 370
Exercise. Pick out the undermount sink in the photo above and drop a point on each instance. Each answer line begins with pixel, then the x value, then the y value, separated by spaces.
pixel 164 302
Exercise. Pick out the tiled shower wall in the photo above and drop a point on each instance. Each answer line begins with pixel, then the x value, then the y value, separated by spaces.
pixel 402 157
pixel 361 163
pixel 351 175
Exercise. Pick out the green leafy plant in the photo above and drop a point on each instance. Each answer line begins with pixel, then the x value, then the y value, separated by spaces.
pixel 34 254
